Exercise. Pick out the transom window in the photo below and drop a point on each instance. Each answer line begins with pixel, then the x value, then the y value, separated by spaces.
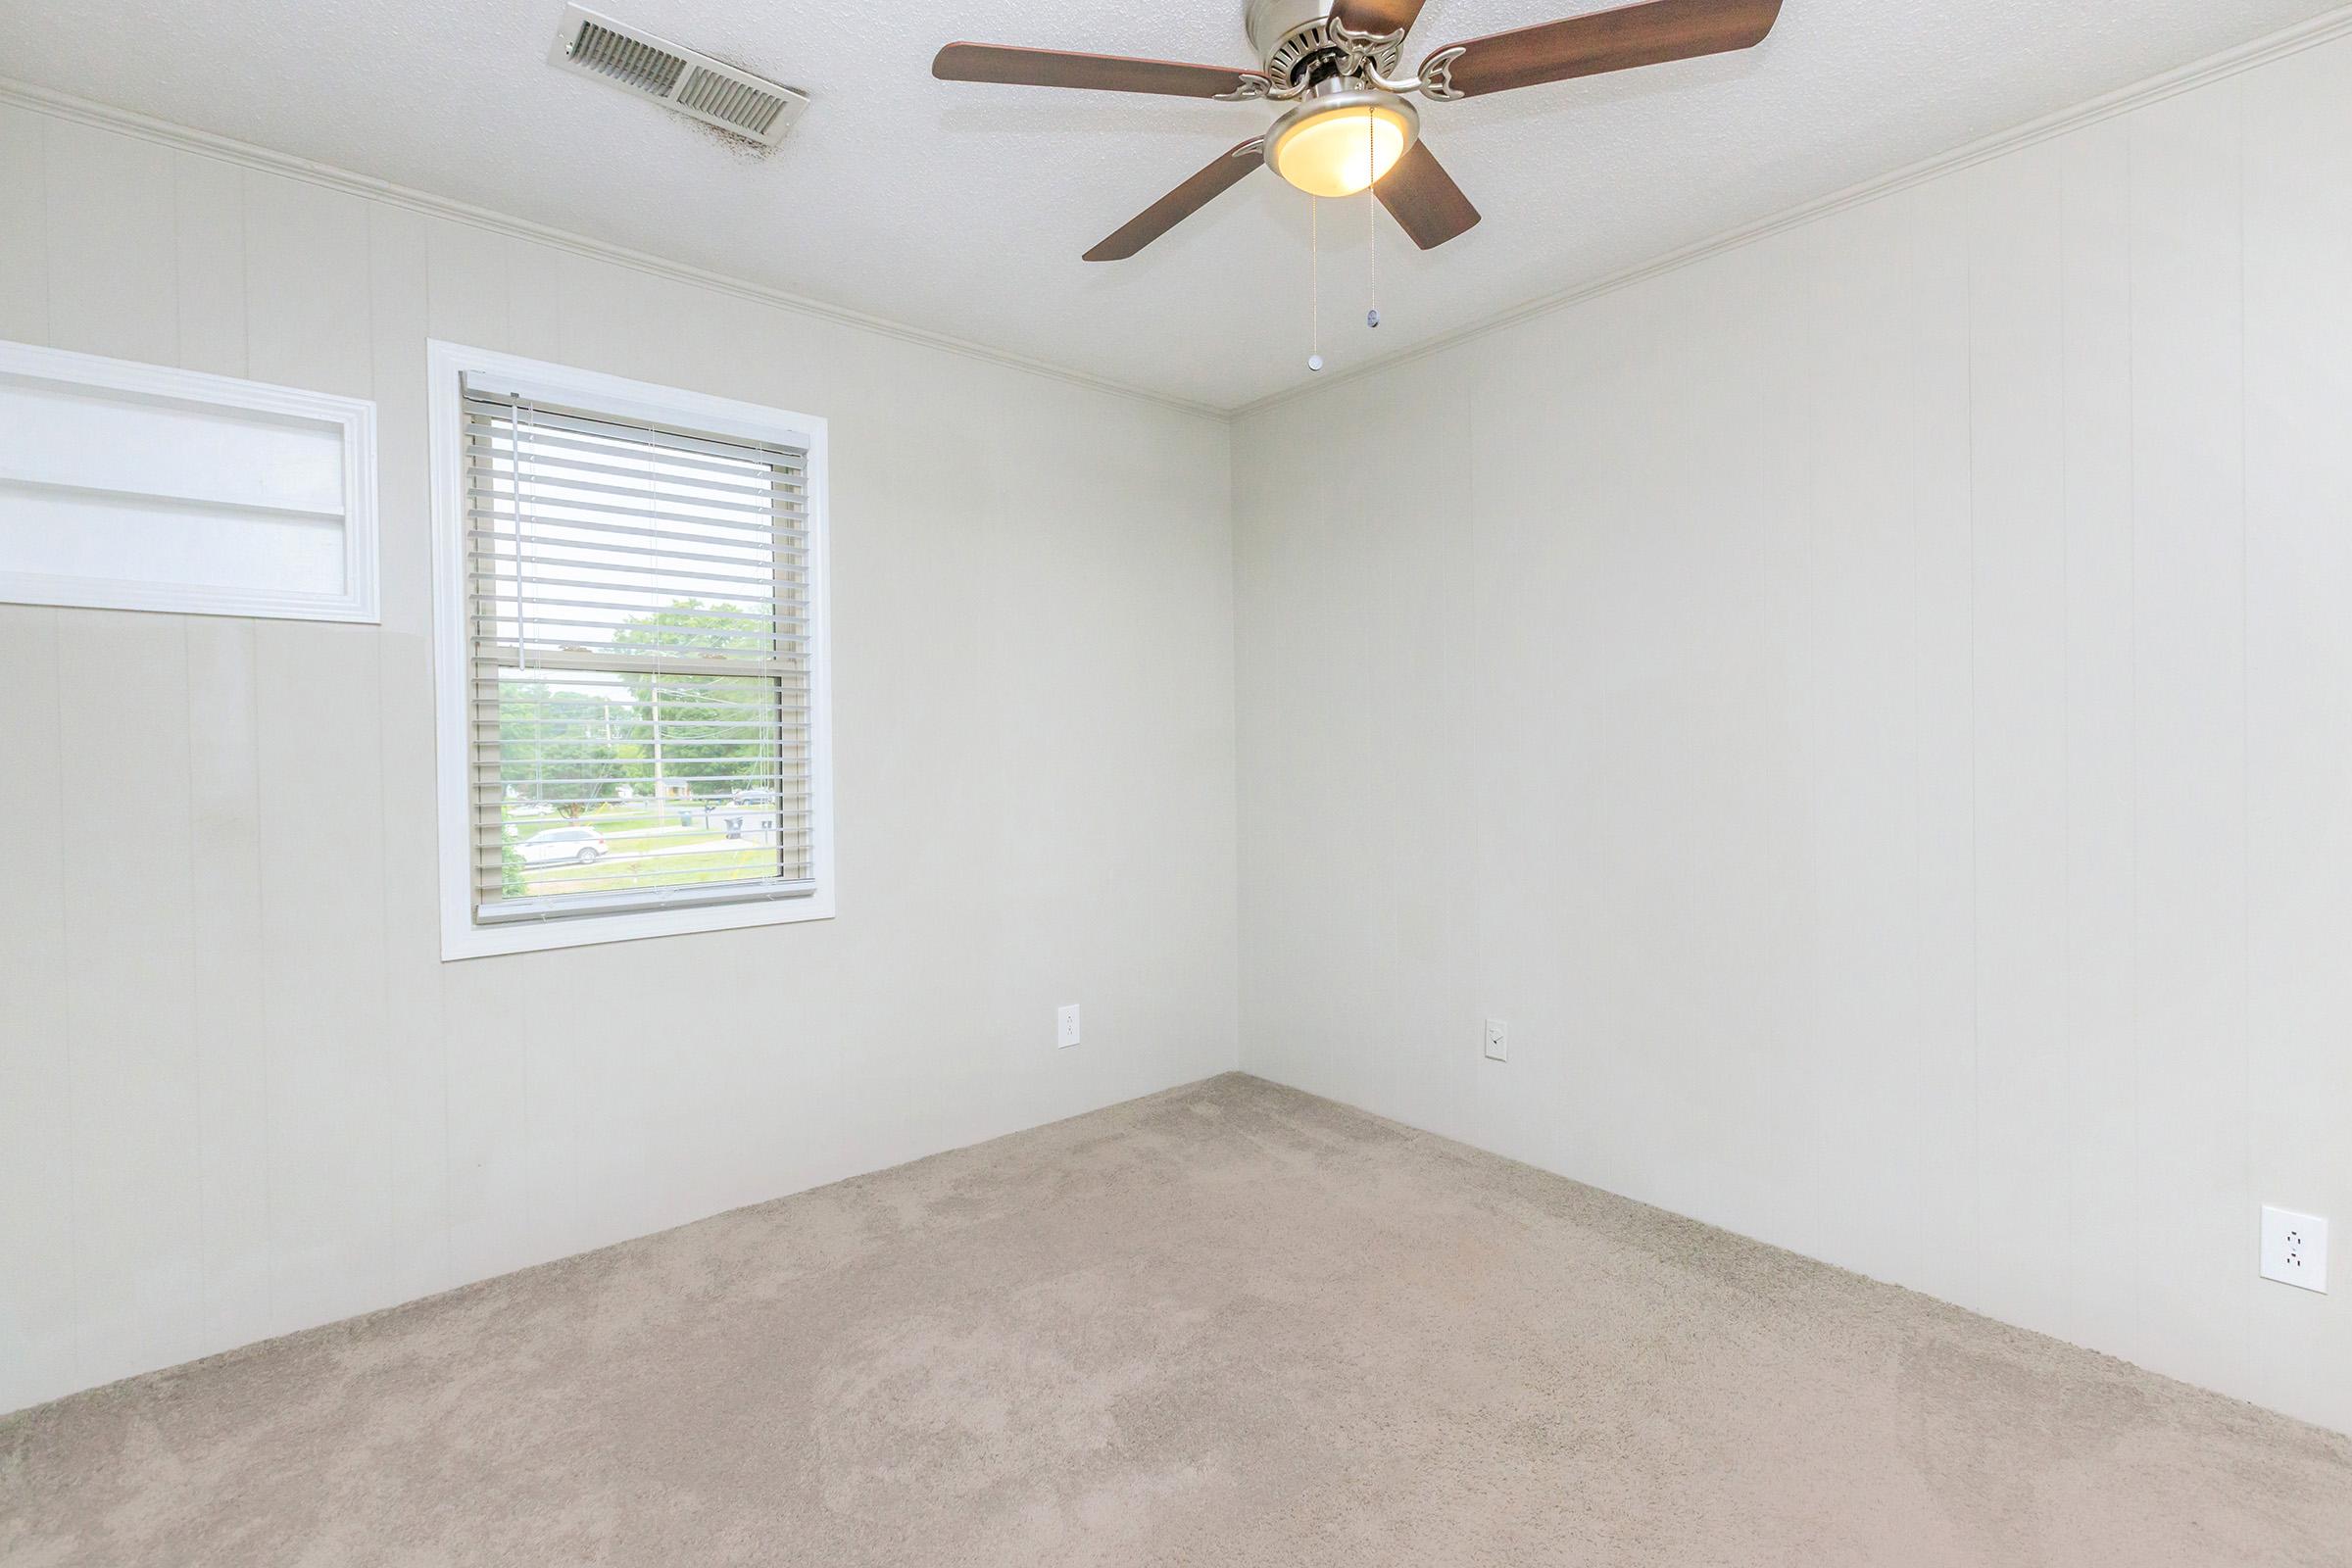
pixel 639 714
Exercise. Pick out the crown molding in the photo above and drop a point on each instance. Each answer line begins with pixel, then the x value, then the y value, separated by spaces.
pixel 104 117
pixel 2187 78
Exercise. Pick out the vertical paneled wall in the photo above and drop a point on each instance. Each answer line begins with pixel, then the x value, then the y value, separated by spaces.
pixel 239 1093
pixel 1872 710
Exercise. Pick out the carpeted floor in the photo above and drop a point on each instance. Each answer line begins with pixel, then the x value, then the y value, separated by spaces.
pixel 1230 1324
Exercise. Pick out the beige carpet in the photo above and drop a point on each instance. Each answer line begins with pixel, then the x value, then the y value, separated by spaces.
pixel 1227 1325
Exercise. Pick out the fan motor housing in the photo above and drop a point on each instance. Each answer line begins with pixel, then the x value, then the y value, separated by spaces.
pixel 1293 38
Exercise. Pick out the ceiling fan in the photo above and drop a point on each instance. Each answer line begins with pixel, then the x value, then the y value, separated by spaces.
pixel 1352 123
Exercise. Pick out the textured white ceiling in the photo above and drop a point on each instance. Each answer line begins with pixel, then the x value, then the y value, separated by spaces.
pixel 963 209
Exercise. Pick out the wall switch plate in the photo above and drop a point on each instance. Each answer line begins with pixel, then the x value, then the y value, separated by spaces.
pixel 1498 1040
pixel 2294 1249
pixel 1065 1027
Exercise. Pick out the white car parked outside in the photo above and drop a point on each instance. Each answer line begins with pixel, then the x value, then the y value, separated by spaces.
pixel 564 846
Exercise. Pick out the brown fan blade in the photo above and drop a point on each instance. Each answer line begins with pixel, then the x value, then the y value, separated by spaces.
pixel 1183 202
pixel 1646 34
pixel 1424 199
pixel 1380 16
pixel 1050 68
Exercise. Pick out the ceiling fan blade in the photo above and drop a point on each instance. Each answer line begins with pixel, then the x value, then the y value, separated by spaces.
pixel 1380 16
pixel 1643 35
pixel 1424 199
pixel 1052 67
pixel 1183 202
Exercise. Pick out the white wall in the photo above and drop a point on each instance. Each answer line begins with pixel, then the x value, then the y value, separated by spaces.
pixel 1872 710
pixel 238 1092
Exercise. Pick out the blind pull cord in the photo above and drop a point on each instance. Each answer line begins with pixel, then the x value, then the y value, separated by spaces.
pixel 522 603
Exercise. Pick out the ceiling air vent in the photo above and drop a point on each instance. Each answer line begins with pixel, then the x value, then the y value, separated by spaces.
pixel 683 80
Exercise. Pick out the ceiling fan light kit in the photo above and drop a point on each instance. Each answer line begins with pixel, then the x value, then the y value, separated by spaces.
pixel 1353 124
pixel 1342 139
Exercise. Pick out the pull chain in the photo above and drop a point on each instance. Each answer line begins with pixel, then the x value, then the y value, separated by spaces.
pixel 1314 284
pixel 1372 218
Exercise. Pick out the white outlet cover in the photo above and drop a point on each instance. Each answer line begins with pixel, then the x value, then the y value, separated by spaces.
pixel 1498 1040
pixel 1065 1027
pixel 2294 1249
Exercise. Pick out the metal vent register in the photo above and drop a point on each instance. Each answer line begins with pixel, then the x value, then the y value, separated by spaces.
pixel 683 80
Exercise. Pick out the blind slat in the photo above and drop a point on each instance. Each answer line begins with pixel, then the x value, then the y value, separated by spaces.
pixel 702 697
pixel 642 602
pixel 656 840
pixel 543 656
pixel 541 660
pixel 555 569
pixel 638 805
pixel 674 547
pixel 558 511
pixel 742 508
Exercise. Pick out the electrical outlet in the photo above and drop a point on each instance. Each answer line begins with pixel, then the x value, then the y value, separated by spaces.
pixel 2294 1249
pixel 1498 1040
pixel 1065 1027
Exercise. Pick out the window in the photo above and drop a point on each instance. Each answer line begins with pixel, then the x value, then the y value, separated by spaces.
pixel 632 658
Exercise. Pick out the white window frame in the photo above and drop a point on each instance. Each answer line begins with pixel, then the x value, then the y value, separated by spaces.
pixel 448 365
pixel 163 389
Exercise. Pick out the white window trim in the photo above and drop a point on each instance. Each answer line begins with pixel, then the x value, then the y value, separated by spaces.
pixel 448 365
pixel 353 417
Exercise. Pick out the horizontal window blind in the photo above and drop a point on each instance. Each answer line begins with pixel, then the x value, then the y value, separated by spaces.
pixel 639 684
